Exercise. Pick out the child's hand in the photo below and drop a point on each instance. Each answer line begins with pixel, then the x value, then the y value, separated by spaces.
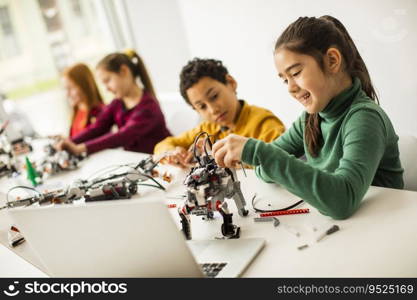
pixel 59 145
pixel 68 145
pixel 199 148
pixel 56 137
pixel 180 157
pixel 228 151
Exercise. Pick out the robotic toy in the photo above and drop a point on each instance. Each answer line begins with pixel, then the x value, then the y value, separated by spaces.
pixel 111 187
pixel 7 158
pixel 148 167
pixel 6 168
pixel 7 163
pixel 57 161
pixel 208 185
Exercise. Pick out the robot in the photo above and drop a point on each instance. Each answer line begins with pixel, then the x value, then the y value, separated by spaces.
pixel 148 166
pixel 208 185
pixel 111 187
pixel 118 186
pixel 57 161
pixel 48 197
pixel 6 169
pixel 125 185
pixel 7 158
pixel 7 163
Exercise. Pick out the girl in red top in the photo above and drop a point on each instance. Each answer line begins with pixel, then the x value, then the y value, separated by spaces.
pixel 84 97
pixel 135 110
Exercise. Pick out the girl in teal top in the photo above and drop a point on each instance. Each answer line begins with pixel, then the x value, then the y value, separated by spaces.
pixel 347 139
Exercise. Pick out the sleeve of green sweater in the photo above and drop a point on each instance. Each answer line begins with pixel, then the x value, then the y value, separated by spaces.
pixel 290 141
pixel 338 193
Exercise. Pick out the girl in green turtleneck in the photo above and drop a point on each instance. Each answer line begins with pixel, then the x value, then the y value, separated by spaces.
pixel 347 139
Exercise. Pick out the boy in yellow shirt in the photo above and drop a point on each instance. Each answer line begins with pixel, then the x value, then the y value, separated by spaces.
pixel 208 87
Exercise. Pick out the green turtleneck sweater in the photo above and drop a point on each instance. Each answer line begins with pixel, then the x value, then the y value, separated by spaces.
pixel 360 148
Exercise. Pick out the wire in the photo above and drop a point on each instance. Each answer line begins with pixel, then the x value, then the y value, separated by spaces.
pixel 243 168
pixel 20 187
pixel 107 169
pixel 273 210
pixel 155 162
pixel 154 180
pixel 151 185
pixel 228 171
pixel 100 180
pixel 97 181
pixel 149 177
pixel 211 145
pixel 195 146
pixel 209 142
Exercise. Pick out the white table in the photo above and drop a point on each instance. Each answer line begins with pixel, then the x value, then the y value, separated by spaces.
pixel 379 240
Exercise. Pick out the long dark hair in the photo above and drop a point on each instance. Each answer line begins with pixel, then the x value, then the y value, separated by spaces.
pixel 314 36
pixel 132 60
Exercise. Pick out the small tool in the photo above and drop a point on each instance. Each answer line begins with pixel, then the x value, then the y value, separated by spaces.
pixel 256 220
pixel 302 247
pixel 331 230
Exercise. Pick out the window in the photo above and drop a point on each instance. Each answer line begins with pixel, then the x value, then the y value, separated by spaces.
pixel 8 40
pixel 76 8
pixel 50 14
pixel 38 39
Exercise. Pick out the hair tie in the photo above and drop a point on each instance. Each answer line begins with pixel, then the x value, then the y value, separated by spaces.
pixel 129 53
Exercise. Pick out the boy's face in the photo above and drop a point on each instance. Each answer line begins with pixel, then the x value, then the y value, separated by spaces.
pixel 215 101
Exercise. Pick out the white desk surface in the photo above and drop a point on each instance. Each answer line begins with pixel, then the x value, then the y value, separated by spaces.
pixel 379 240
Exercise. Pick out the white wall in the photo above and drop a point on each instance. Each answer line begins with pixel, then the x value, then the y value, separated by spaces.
pixel 160 40
pixel 242 34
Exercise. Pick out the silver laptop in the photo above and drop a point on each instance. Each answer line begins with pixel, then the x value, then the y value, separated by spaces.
pixel 126 238
pixel 19 125
pixel 11 133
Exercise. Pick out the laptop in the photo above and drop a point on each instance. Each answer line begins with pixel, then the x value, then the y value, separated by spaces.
pixel 11 133
pixel 126 238
pixel 19 125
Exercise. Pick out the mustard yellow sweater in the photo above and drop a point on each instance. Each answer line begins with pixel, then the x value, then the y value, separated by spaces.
pixel 253 121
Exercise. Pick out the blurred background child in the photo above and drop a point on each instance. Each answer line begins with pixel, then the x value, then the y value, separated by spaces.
pixel 135 110
pixel 84 97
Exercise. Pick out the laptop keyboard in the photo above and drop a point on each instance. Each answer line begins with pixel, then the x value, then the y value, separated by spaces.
pixel 212 269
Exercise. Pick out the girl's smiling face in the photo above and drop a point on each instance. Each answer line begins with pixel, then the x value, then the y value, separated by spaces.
pixel 306 81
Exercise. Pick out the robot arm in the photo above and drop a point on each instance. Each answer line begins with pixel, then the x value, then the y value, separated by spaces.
pixel 148 167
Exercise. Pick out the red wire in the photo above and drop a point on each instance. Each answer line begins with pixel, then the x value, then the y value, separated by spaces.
pixel 286 212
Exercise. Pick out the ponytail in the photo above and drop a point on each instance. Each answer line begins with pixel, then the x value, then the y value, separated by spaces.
pixel 134 62
pixel 356 66
pixel 314 36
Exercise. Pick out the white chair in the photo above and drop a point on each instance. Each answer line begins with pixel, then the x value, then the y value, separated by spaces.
pixel 407 145
pixel 179 115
